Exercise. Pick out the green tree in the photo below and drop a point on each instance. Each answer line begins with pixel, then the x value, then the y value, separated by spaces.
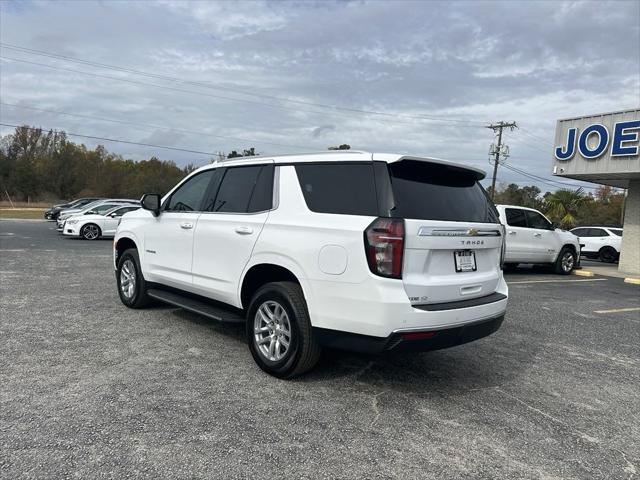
pixel 562 206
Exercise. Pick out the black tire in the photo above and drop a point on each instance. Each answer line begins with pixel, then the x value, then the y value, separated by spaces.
pixel 303 351
pixel 510 267
pixel 565 262
pixel 90 231
pixel 608 254
pixel 138 298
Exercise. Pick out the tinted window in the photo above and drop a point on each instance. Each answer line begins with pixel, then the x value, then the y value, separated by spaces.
pixel 616 231
pixel 344 188
pixel 212 191
pixel 237 189
pixel 598 232
pixel 188 197
pixel 535 220
pixel 103 208
pixel 579 232
pixel 516 218
pixel 121 211
pixel 432 191
pixel 262 197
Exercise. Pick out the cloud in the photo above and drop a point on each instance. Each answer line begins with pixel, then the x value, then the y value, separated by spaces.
pixel 322 130
pixel 233 63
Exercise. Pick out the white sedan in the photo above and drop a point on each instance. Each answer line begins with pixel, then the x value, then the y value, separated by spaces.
pixel 94 226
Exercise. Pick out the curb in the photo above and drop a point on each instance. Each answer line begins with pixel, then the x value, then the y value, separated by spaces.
pixel 582 273
pixel 632 280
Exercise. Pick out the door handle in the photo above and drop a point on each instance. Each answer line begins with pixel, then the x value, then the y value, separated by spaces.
pixel 244 230
pixel 186 225
pixel 537 234
pixel 511 232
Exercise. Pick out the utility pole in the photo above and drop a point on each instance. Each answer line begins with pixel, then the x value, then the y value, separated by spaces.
pixel 499 149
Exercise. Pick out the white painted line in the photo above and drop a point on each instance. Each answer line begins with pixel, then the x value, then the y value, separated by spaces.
pixel 11 250
pixel 558 281
pixel 617 310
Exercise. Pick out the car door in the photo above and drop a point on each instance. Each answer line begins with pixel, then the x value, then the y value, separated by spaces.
pixel 111 221
pixel 599 238
pixel 544 241
pixel 168 241
pixel 519 238
pixel 228 228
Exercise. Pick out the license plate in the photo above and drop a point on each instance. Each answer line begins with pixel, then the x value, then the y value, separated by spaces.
pixel 465 260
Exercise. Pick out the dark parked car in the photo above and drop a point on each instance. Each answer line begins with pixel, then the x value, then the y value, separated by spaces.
pixel 53 212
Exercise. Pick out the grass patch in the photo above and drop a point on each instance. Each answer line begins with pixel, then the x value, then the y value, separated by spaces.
pixel 22 213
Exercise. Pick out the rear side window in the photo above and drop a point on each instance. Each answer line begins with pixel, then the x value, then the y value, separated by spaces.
pixel 245 190
pixel 343 188
pixel 616 232
pixel 432 191
pixel 515 217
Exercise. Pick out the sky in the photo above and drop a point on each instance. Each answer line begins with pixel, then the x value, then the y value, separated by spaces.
pixel 422 78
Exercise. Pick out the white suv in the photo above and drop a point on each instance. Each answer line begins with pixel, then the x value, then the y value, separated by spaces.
pixel 600 242
pixel 532 238
pixel 353 250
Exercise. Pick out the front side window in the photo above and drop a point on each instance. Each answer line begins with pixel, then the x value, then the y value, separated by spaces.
pixel 516 218
pixel 121 211
pixel 244 190
pixel 188 197
pixel 342 188
pixel 579 232
pixel 536 220
pixel 103 208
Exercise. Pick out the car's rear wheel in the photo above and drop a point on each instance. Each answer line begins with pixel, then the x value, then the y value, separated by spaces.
pixel 132 288
pixel 565 261
pixel 279 330
pixel 608 254
pixel 90 231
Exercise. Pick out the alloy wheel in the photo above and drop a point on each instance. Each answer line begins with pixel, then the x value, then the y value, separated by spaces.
pixel 272 331
pixel 128 279
pixel 90 232
pixel 567 262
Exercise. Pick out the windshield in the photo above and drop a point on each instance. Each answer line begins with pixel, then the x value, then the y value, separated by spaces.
pixel 433 191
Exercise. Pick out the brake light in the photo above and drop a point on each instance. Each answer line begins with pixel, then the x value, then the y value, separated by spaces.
pixel 384 246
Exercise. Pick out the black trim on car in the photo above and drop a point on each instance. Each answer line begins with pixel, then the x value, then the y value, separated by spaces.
pixel 472 302
pixel 408 341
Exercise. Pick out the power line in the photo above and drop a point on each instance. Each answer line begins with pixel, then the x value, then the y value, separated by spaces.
pixel 148 125
pixel 433 118
pixel 93 137
pixel 547 181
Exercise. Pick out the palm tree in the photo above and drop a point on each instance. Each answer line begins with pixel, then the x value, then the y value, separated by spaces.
pixel 562 206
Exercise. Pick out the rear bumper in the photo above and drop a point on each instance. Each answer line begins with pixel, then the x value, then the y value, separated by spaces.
pixel 409 340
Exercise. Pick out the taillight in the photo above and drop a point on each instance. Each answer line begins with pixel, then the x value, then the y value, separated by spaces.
pixel 384 246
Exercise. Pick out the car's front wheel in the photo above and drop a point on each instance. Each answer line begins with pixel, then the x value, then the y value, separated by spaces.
pixel 565 261
pixel 90 231
pixel 279 330
pixel 132 288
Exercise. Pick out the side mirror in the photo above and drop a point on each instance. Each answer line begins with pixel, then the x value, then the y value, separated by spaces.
pixel 91 212
pixel 554 225
pixel 151 202
pixel 113 215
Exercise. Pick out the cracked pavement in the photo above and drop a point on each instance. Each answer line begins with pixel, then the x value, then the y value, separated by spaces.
pixel 91 389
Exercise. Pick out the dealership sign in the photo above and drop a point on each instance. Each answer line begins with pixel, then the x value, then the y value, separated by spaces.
pixel 594 140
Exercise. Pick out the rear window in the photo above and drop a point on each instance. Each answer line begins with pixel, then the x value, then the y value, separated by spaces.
pixel 432 191
pixel 343 188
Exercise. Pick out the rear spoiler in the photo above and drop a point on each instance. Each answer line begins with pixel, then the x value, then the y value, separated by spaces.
pixel 479 174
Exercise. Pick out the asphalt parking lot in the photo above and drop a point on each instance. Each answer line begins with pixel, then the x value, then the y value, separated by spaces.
pixel 91 389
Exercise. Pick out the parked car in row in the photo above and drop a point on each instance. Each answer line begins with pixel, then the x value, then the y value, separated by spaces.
pixel 368 252
pixel 99 206
pixel 92 226
pixel 532 238
pixel 604 243
pixel 53 212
